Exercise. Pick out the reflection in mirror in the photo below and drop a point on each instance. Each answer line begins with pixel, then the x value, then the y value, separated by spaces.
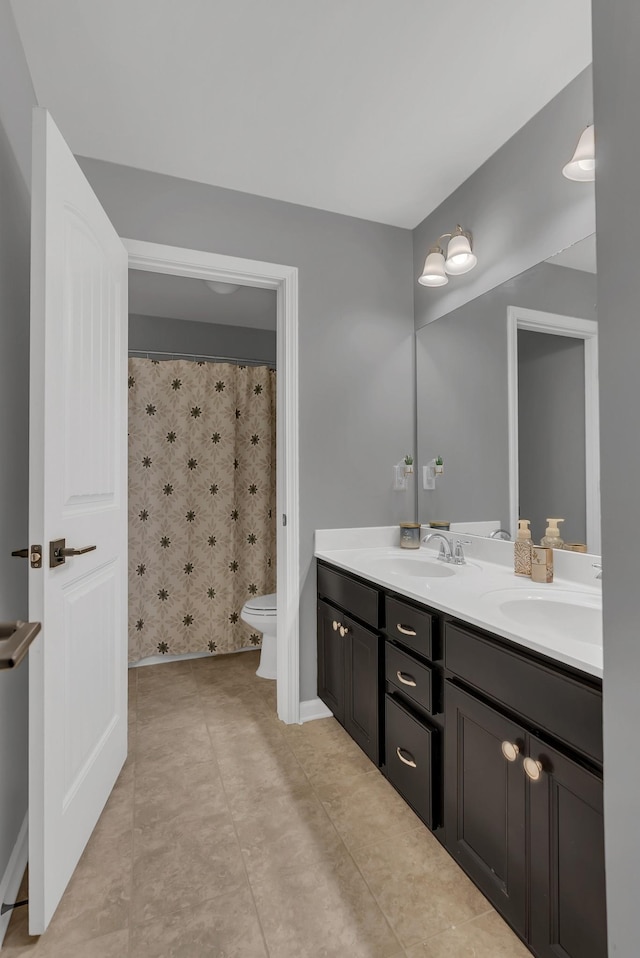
pixel 525 340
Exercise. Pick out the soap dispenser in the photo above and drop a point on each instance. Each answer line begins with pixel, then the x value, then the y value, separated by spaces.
pixel 522 549
pixel 551 538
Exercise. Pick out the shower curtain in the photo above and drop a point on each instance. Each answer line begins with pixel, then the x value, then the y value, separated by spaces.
pixel 202 501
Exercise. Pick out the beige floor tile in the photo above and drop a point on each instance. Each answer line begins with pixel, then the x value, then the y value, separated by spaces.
pixel 322 912
pixel 273 815
pixel 419 887
pixel 227 927
pixel 163 675
pixel 173 748
pixel 333 762
pixel 366 809
pixel 181 863
pixel 256 766
pixel 169 711
pixel 194 792
pixel 114 945
pixel 485 937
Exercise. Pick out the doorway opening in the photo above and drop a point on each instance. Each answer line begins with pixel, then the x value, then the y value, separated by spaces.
pixel 569 328
pixel 221 269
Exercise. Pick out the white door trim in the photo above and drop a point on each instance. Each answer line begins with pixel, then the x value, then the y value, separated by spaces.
pixel 177 261
pixel 575 328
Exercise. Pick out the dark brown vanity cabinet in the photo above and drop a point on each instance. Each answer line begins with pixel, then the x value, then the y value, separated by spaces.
pixel 524 817
pixel 502 746
pixel 349 657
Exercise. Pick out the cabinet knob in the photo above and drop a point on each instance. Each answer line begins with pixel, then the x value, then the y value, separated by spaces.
pixel 335 625
pixel 407 761
pixel 510 751
pixel 344 631
pixel 533 769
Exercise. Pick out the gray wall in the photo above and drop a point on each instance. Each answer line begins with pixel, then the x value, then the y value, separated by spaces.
pixel 518 205
pixel 551 433
pixel 355 337
pixel 151 333
pixel 16 100
pixel 616 36
pixel 462 391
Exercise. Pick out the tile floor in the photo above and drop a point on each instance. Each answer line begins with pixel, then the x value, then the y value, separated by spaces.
pixel 231 835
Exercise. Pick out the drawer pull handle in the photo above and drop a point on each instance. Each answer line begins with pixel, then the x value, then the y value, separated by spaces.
pixel 406 679
pixel 407 761
pixel 510 751
pixel 533 769
pixel 405 630
pixel 336 625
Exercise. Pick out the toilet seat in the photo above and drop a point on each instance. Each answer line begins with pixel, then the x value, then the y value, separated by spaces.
pixel 262 605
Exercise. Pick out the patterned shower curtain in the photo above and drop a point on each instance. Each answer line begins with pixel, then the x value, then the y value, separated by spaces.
pixel 202 503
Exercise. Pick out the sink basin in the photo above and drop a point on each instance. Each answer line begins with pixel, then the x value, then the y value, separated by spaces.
pixel 561 613
pixel 418 567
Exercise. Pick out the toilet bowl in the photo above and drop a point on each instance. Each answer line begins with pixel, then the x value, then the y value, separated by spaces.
pixel 261 614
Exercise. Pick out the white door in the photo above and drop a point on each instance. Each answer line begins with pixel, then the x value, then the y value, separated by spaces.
pixel 77 492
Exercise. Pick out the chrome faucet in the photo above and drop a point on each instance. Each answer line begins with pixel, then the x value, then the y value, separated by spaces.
pixel 598 565
pixel 501 534
pixel 445 546
pixel 458 554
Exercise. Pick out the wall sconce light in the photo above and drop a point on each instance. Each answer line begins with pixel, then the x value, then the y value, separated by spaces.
pixel 459 258
pixel 582 165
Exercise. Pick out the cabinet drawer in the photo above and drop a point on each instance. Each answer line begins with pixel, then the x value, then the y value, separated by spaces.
pixel 557 703
pixel 361 601
pixel 411 678
pixel 410 626
pixel 410 748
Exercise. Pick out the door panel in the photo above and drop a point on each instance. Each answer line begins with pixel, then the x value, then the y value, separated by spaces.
pixel 78 434
pixel 568 916
pixel 485 801
pixel 331 661
pixel 362 692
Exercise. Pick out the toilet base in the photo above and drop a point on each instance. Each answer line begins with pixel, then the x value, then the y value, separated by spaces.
pixel 267 669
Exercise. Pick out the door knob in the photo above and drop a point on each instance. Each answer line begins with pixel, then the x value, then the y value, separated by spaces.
pixel 34 555
pixel 58 552
pixel 533 769
pixel 510 751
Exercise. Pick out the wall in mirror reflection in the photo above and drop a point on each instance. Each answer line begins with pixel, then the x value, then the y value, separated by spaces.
pixel 462 402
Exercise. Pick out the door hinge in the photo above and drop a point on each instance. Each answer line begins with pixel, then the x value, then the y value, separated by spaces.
pixel 284 518
pixel 4 908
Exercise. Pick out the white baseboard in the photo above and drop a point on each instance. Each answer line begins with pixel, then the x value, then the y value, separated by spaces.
pixel 314 709
pixel 14 873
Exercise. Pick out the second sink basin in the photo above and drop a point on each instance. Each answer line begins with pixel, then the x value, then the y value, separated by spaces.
pixel 562 613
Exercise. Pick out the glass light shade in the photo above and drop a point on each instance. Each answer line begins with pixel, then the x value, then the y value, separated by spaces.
pixel 459 259
pixel 582 165
pixel 433 273
pixel 222 289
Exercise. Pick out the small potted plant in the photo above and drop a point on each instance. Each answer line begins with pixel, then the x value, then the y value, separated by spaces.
pixel 408 465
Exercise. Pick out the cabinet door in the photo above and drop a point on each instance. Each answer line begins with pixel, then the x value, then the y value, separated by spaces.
pixel 362 687
pixel 331 660
pixel 485 801
pixel 568 914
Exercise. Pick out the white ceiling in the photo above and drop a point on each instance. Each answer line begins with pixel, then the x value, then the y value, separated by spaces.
pixel 374 108
pixel 178 297
pixel 581 255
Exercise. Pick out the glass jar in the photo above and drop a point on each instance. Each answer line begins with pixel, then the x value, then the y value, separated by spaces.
pixel 409 535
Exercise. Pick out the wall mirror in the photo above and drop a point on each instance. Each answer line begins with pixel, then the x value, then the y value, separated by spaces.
pixel 507 395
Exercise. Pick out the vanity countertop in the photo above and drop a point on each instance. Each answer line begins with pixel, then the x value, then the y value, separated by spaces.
pixel 562 619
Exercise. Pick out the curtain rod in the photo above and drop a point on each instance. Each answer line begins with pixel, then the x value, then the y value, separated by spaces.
pixel 195 357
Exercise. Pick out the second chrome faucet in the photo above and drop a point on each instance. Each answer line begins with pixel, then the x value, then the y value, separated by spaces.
pixel 448 553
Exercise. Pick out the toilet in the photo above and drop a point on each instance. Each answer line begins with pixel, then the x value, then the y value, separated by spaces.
pixel 261 613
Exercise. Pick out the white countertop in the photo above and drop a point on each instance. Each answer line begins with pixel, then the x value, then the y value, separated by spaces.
pixel 472 591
